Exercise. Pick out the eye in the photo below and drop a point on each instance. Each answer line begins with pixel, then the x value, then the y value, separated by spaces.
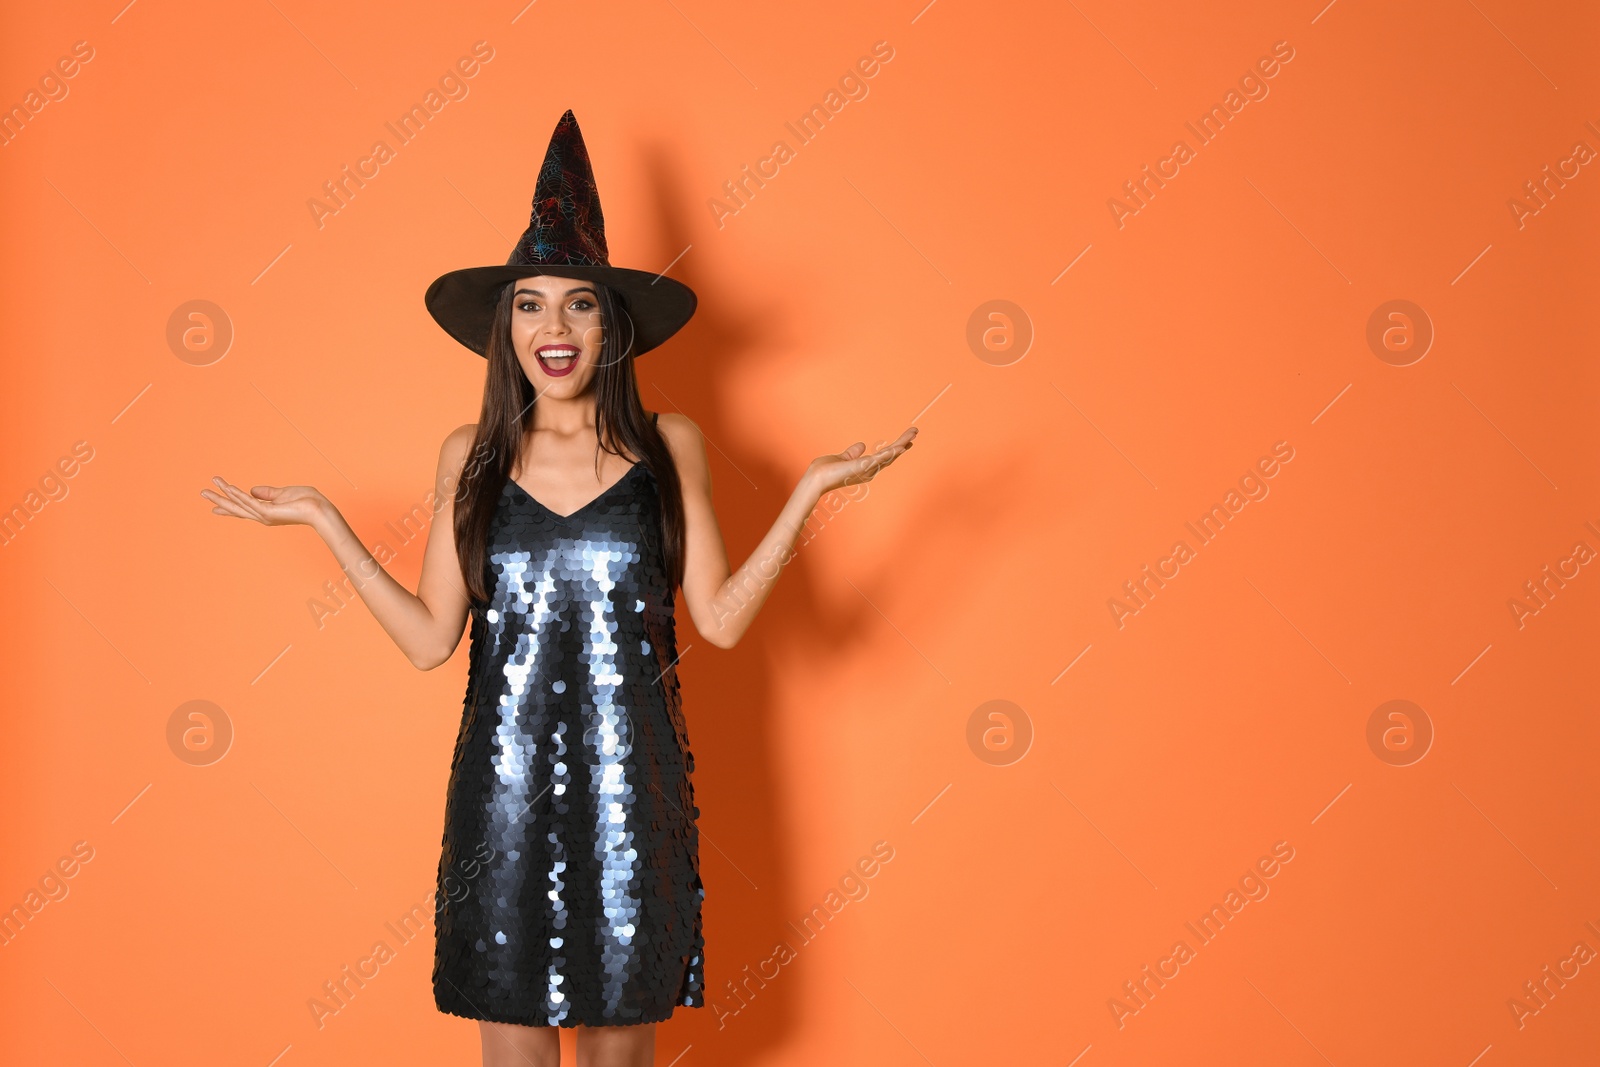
pixel 527 305
pixel 581 304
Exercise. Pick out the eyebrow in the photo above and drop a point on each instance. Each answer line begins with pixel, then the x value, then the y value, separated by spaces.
pixel 570 292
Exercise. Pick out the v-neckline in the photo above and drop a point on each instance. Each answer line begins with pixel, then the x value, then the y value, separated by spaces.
pixel 601 496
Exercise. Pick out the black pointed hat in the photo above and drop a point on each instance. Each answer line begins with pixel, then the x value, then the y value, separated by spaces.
pixel 566 237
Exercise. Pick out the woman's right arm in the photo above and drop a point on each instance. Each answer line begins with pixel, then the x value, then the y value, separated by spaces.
pixel 427 625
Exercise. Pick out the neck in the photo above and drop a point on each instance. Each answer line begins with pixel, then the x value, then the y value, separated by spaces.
pixel 565 416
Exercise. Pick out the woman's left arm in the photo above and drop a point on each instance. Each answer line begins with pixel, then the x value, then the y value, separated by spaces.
pixel 723 604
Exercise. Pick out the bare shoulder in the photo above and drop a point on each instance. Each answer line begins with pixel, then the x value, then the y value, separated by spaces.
pixel 458 442
pixel 681 433
pixel 686 444
pixel 453 453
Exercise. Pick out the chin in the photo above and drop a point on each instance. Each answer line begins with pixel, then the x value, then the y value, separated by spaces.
pixel 561 388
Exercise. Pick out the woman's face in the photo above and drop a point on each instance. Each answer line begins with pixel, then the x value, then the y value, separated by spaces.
pixel 556 332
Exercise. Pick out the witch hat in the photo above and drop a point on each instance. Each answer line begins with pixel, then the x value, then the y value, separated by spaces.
pixel 566 237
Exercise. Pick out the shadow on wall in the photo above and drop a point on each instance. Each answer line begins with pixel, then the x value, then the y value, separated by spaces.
pixel 744 840
pixel 751 895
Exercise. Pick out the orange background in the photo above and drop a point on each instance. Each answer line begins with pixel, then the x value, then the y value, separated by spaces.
pixel 1229 714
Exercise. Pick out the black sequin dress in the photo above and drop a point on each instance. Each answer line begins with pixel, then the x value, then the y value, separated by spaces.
pixel 569 890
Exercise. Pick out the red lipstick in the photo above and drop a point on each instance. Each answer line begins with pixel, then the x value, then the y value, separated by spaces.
pixel 557 360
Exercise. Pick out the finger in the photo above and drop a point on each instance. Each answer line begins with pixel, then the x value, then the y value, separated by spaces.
pixel 893 448
pixel 888 453
pixel 867 466
pixel 898 443
pixel 246 503
pixel 232 492
pixel 879 460
pixel 239 512
pixel 224 487
pixel 223 506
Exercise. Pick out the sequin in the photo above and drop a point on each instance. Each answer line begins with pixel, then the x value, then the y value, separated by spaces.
pixel 572 774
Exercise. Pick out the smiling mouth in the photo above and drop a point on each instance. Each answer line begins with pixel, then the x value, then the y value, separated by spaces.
pixel 557 360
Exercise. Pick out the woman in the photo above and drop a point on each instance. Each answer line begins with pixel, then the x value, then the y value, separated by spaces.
pixel 569 889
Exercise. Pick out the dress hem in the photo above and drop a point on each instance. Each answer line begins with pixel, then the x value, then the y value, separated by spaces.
pixel 566 1024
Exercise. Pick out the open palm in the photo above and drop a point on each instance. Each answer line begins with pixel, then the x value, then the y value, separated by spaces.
pixel 270 505
pixel 855 464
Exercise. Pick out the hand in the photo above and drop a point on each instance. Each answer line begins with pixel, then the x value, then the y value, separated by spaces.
pixel 852 467
pixel 269 505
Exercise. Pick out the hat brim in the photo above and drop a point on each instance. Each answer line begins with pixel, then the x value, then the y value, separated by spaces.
pixel 463 301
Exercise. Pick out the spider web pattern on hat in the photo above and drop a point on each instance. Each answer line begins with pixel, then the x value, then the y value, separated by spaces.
pixel 566 225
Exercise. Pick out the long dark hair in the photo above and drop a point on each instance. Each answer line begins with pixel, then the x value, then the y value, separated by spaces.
pixel 507 416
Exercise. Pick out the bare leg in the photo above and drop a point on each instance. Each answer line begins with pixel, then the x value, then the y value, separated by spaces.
pixel 617 1046
pixel 508 1045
